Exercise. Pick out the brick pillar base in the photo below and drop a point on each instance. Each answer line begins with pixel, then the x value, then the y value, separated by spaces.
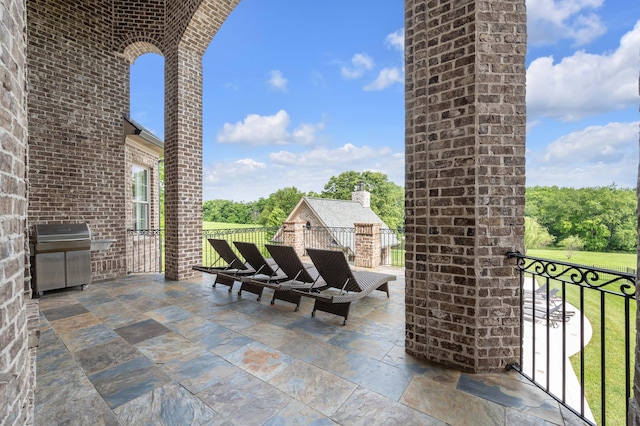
pixel 367 245
pixel 293 235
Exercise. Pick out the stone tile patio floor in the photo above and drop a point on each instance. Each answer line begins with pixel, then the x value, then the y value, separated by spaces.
pixel 144 350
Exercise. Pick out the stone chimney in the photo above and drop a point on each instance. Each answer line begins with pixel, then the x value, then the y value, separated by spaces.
pixel 361 196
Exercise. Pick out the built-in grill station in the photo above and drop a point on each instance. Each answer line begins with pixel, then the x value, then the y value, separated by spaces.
pixel 62 256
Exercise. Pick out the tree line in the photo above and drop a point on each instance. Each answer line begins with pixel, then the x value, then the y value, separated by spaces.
pixel 596 219
pixel 387 201
pixel 593 219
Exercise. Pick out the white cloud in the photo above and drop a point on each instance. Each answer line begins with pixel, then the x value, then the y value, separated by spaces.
pixel 277 81
pixel 549 21
pixel 307 171
pixel 360 62
pixel 257 129
pixel 595 144
pixel 268 130
pixel 585 84
pixel 346 154
pixel 305 133
pixel 386 78
pixel 594 156
pixel 396 40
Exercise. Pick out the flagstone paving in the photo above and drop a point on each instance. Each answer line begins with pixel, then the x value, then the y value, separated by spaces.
pixel 144 350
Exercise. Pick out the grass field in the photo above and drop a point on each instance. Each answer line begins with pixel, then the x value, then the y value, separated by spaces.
pixel 222 225
pixel 210 258
pixel 613 328
pixel 626 260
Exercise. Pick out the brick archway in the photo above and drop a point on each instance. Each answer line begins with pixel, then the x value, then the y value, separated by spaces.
pixel 188 36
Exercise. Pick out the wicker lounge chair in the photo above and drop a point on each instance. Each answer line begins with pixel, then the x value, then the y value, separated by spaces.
pixel 541 293
pixel 342 284
pixel 235 266
pixel 554 313
pixel 299 275
pixel 267 272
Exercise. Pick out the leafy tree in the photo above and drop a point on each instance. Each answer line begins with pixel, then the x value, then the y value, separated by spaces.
pixel 276 217
pixel 387 198
pixel 535 235
pixel 284 199
pixel 571 244
pixel 228 211
pixel 603 217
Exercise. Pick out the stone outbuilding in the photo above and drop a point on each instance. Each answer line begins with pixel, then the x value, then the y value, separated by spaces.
pixel 331 224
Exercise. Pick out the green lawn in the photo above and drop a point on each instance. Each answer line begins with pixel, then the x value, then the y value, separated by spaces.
pixel 210 258
pixel 614 332
pixel 627 260
pixel 222 225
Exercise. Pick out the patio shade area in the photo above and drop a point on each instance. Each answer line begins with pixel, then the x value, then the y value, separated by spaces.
pixel 145 350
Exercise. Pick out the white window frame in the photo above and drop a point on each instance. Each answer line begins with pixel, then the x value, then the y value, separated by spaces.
pixel 140 200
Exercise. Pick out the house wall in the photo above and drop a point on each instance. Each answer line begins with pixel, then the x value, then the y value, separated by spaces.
pixel 136 245
pixel 78 92
pixel 18 313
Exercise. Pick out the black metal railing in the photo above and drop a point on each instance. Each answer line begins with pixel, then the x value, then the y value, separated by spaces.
pixel 392 243
pixel 145 251
pixel 259 236
pixel 145 248
pixel 578 335
pixel 331 238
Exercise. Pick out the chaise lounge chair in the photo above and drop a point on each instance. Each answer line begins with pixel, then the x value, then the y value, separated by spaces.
pixel 226 274
pixel 541 293
pixel 344 284
pixel 554 315
pixel 267 272
pixel 299 275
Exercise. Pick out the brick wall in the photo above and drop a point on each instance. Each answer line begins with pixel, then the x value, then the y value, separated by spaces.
pixel 18 327
pixel 634 401
pixel 78 92
pixel 465 133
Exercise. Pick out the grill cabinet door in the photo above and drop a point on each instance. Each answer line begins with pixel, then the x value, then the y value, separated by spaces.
pixel 78 267
pixel 49 268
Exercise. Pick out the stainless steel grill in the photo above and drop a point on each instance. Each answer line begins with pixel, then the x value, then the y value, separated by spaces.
pixel 62 256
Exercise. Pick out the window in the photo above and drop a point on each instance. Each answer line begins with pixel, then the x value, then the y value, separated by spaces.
pixel 140 196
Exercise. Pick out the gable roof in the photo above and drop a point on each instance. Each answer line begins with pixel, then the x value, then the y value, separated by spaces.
pixel 335 214
pixel 342 213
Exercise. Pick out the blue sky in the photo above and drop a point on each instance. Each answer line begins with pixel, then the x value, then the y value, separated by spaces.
pixel 298 91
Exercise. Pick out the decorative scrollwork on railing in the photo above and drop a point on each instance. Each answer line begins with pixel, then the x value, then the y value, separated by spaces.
pixel 145 232
pixel 607 280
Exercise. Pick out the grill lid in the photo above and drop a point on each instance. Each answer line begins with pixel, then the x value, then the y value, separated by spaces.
pixel 61 232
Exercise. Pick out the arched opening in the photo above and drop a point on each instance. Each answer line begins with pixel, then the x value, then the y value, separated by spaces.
pixel 290 104
pixel 144 158
pixel 146 93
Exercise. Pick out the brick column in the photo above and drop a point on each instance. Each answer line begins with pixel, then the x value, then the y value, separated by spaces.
pixel 634 401
pixel 19 326
pixel 367 244
pixel 465 155
pixel 293 235
pixel 183 163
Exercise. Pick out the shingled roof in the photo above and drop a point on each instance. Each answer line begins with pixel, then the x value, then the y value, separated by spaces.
pixel 336 214
pixel 342 213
